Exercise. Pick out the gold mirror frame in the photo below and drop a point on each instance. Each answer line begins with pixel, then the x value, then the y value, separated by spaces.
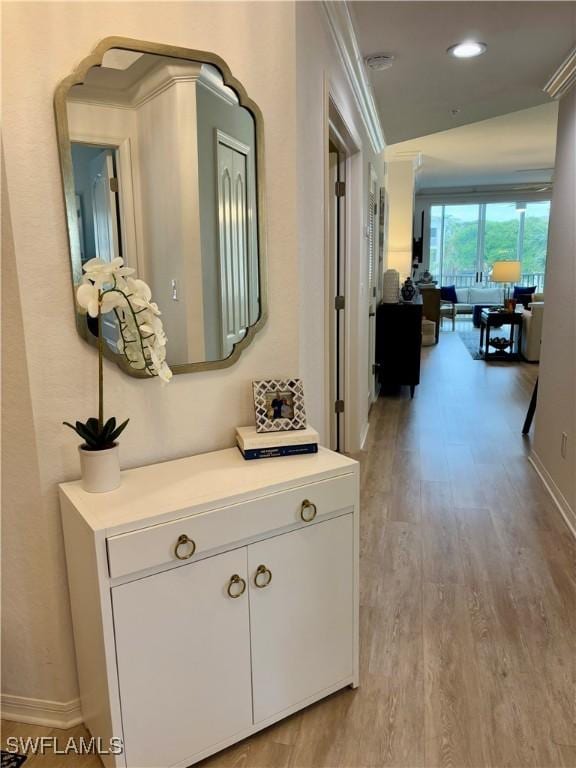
pixel 64 148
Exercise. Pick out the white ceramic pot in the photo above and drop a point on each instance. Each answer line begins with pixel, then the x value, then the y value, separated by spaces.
pixel 100 469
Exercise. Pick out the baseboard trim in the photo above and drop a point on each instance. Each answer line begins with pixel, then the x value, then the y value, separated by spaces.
pixel 364 435
pixel 52 714
pixel 555 493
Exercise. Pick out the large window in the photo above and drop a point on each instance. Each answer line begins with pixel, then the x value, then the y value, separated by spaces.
pixel 466 240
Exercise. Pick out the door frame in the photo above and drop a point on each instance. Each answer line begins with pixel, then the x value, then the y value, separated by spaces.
pixel 374 284
pixel 337 130
pixel 131 232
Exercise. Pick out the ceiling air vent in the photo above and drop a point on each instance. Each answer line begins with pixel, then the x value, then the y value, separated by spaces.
pixel 379 61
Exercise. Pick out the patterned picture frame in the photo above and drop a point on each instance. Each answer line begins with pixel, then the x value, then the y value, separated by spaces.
pixel 279 405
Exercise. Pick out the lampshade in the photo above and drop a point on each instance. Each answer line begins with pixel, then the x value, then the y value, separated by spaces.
pixel 505 271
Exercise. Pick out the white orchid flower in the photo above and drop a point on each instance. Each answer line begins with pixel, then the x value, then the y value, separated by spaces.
pixel 103 272
pixel 142 338
pixel 90 299
pixel 87 297
pixel 160 367
pixel 165 373
pixel 141 295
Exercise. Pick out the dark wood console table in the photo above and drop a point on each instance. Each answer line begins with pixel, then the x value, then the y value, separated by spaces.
pixel 398 345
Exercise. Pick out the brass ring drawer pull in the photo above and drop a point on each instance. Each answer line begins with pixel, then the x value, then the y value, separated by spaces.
pixel 263 576
pixel 308 511
pixel 184 541
pixel 236 580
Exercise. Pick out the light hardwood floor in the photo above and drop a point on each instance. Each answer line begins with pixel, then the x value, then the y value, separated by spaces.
pixel 468 594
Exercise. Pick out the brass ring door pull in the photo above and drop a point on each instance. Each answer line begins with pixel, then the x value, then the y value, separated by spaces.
pixel 236 586
pixel 308 511
pixel 184 541
pixel 263 576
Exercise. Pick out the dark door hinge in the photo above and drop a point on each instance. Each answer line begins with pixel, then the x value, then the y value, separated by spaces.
pixel 340 188
pixel 339 302
pixel 113 184
pixel 339 406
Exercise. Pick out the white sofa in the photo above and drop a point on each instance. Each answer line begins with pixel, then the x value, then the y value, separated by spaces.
pixel 532 331
pixel 468 297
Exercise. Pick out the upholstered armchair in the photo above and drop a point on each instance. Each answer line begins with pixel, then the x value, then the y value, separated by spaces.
pixel 532 331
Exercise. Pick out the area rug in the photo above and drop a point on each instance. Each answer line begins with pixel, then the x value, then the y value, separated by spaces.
pixel 9 760
pixel 471 339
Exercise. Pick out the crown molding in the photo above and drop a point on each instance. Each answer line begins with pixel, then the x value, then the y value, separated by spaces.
pixel 564 77
pixel 409 156
pixel 344 34
pixel 163 76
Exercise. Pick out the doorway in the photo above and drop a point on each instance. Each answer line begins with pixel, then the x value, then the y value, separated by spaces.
pixel 97 205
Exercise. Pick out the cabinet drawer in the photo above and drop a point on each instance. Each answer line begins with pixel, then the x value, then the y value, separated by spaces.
pixel 157 545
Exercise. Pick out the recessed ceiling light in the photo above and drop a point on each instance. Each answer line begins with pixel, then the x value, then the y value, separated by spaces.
pixel 467 50
pixel 379 61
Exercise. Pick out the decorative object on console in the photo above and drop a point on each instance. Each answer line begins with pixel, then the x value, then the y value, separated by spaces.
pixel 427 278
pixel 408 290
pixel 510 305
pixel 107 288
pixel 279 405
pixel 260 445
pixel 391 287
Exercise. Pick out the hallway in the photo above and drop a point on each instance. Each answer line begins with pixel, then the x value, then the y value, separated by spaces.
pixel 468 592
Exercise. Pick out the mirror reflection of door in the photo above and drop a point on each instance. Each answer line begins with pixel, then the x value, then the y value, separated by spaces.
pixel 96 189
pixel 98 211
pixel 104 206
pixel 235 215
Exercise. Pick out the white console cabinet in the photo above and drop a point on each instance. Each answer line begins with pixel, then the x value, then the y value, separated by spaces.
pixel 211 596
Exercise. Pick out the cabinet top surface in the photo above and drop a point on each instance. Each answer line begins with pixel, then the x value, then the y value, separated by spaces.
pixel 199 483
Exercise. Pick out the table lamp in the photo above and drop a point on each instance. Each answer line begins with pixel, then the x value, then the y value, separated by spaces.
pixel 506 272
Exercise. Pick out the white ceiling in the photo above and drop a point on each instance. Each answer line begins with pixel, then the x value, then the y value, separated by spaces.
pixel 514 149
pixel 526 43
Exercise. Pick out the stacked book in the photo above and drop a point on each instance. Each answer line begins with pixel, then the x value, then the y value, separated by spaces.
pixel 269 445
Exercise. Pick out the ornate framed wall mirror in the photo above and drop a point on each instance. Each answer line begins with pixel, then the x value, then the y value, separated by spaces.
pixel 162 153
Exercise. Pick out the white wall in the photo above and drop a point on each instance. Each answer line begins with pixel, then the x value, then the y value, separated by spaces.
pixel 318 67
pixel 168 169
pixel 51 372
pixel 556 410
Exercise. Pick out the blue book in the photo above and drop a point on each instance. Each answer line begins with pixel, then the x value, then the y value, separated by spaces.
pixel 280 450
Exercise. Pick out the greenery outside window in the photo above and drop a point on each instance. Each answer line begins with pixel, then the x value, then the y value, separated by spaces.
pixel 466 240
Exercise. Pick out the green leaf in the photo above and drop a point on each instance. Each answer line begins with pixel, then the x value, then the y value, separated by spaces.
pixel 108 429
pixel 115 435
pixel 93 425
pixel 85 434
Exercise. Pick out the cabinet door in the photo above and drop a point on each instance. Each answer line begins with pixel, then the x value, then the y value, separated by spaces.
pixel 183 650
pixel 302 621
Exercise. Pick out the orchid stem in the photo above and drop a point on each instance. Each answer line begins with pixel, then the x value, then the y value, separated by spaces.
pixel 100 369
